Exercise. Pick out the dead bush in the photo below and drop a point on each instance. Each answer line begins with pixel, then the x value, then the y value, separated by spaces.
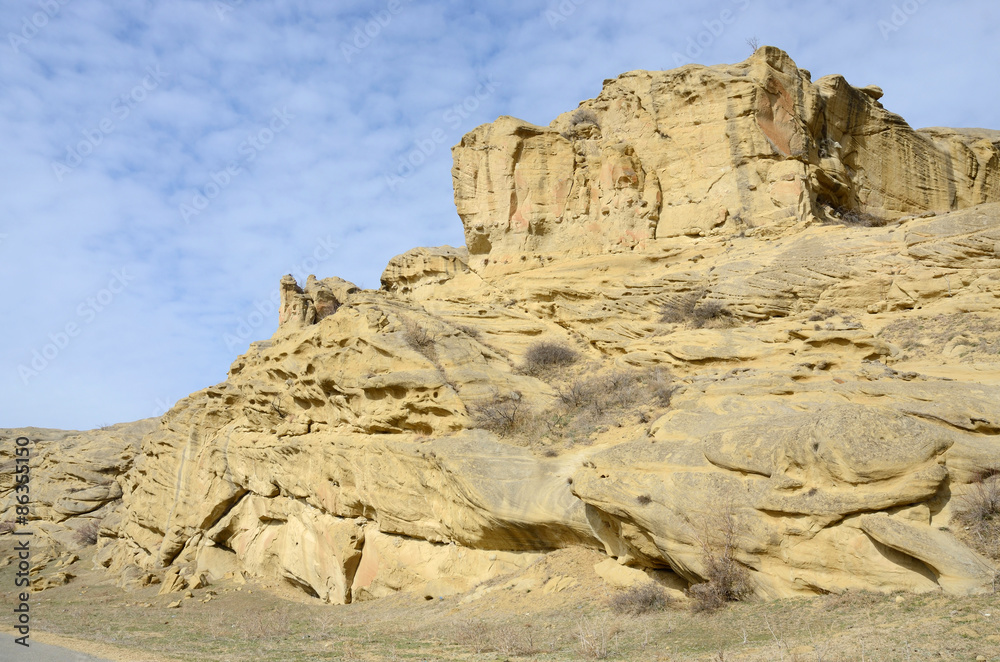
pixel 507 639
pixel 978 512
pixel 711 314
pixel 87 534
pixel 597 638
pixel 546 355
pixel 680 310
pixel 690 310
pixel 470 331
pixel 584 116
pixel 640 600
pixel 859 218
pixel 418 338
pixel 661 386
pixel 503 415
pixel 726 579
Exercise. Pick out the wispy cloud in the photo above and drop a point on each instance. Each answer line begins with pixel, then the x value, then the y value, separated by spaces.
pixel 87 188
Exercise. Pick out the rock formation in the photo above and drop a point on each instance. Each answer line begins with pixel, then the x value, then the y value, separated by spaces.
pixel 784 301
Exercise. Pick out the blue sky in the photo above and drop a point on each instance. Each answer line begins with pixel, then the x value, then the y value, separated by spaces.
pixel 165 163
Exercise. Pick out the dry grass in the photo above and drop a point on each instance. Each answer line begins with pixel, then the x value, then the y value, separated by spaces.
pixel 640 599
pixel 508 639
pixel 570 625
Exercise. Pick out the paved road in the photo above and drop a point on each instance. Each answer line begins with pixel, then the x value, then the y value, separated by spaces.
pixel 37 652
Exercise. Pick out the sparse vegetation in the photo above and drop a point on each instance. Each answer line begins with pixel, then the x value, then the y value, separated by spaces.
pixel 87 534
pixel 546 355
pixel 502 414
pixel 727 580
pixel 470 331
pixel 507 639
pixel 584 116
pixel 979 513
pixel 640 599
pixel 419 339
pixel 596 638
pixel 691 310
pixel 858 218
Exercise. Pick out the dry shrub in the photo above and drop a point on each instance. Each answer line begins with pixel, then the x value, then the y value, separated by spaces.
pixel 596 637
pixel 507 639
pixel 270 625
pixel 859 218
pixel 584 116
pixel 640 600
pixel 727 580
pixel 712 314
pixel 504 415
pixel 470 331
pixel 979 513
pixel 87 534
pixel 692 311
pixel 545 355
pixel 418 338
pixel 617 390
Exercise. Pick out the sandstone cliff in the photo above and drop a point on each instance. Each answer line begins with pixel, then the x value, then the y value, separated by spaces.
pixel 783 301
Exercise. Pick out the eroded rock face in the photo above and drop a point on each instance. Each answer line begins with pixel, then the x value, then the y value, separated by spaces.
pixel 696 150
pixel 834 392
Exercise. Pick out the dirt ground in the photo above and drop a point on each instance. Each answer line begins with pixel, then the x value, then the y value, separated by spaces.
pixel 557 609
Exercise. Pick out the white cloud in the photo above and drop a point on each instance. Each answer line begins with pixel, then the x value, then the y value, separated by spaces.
pixel 325 173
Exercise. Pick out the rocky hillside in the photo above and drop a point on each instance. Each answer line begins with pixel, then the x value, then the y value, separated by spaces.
pixel 716 320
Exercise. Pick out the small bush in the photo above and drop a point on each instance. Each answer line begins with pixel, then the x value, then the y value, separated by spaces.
pixel 470 331
pixel 584 116
pixel 859 218
pixel 546 355
pixel 711 314
pixel 679 311
pixel 640 600
pixel 727 580
pixel 691 310
pixel 507 639
pixel 979 512
pixel 644 500
pixel 87 534
pixel 419 339
pixel 503 415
